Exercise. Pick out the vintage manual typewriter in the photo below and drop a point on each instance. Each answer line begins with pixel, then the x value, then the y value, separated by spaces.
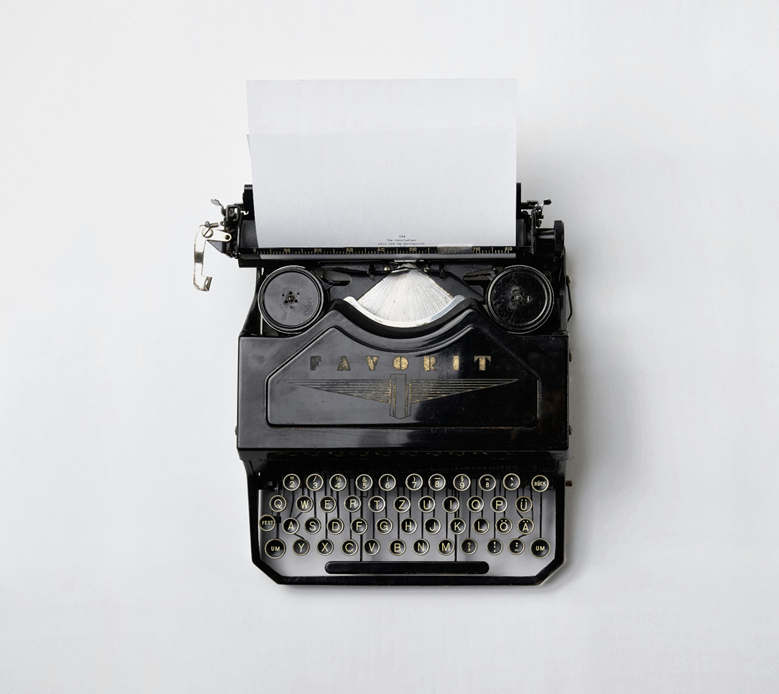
pixel 403 412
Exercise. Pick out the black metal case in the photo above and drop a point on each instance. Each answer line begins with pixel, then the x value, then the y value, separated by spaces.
pixel 426 451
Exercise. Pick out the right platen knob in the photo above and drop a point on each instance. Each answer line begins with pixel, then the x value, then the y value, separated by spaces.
pixel 520 299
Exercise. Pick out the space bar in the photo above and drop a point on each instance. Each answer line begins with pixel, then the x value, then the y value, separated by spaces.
pixel 407 567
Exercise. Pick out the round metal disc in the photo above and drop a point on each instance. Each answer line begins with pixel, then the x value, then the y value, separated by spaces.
pixel 290 299
pixel 520 299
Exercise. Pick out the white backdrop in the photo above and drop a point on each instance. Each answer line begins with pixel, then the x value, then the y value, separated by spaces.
pixel 124 551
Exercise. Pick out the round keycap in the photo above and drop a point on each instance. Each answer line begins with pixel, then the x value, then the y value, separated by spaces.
pixel 304 504
pixel 278 503
pixel 446 547
pixel 312 526
pixel 384 526
pixel 291 482
pixel 540 483
pixel 432 525
pixel 436 482
pixel 539 548
pixel 290 526
pixel 462 483
pixel 481 526
pixel 376 504
pixel 337 483
pixel 475 504
pixel 300 547
pixel 352 504
pixel 524 504
pixel 468 546
pixel 487 483
pixel 267 522
pixel 426 504
pixel 363 482
pixel 516 546
pixel 503 526
pixel 511 482
pixel 525 526
pixel 499 504
pixel 387 482
pixel 324 547
pixel 350 547
pixel 275 548
pixel 371 547
pixel 457 526
pixel 327 504
pixel 335 526
pixel 451 504
pixel 315 482
pixel 494 546
pixel 397 547
pixel 408 526
pixel 402 504
pixel 421 546
pixel 414 482
pixel 359 526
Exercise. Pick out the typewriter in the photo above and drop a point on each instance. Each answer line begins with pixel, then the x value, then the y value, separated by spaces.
pixel 403 412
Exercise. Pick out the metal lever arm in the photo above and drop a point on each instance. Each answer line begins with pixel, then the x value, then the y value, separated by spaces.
pixel 209 231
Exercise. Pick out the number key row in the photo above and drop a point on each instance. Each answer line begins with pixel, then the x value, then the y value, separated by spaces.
pixel 414 482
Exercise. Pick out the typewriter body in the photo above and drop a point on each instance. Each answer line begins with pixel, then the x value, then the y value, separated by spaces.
pixel 403 412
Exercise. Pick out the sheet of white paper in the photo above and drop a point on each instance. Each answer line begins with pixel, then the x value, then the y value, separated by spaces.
pixel 383 162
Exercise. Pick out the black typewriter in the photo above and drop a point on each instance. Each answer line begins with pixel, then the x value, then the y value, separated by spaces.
pixel 403 411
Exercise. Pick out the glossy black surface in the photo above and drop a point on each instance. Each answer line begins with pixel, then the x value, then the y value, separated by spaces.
pixel 317 390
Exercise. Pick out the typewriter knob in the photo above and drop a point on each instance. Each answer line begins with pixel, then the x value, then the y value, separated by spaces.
pixel 290 299
pixel 520 299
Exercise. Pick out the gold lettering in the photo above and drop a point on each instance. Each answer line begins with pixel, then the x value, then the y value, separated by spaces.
pixel 456 362
pixel 343 364
pixel 400 363
pixel 428 363
pixel 482 359
pixel 315 361
pixel 372 361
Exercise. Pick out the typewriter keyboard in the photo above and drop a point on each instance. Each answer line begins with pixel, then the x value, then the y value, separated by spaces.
pixel 489 524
